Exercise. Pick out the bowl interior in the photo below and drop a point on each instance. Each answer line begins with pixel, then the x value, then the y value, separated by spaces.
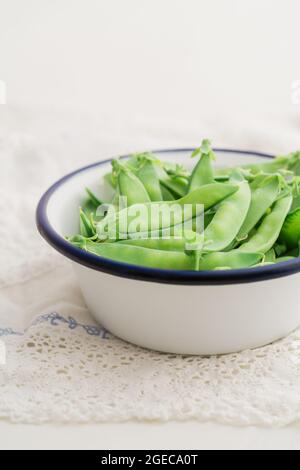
pixel 62 208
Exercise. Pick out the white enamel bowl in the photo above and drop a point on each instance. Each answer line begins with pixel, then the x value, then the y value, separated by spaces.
pixel 173 311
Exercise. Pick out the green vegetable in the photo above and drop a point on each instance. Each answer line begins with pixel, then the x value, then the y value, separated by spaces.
pixel 170 244
pixel 230 259
pixel 206 196
pixel 129 184
pixel 290 233
pixel 250 215
pixel 262 199
pixel 146 172
pixel 268 232
pixel 275 165
pixel 228 219
pixel 203 172
pixel 141 256
pixel 166 194
pixel 87 228
pixel 177 185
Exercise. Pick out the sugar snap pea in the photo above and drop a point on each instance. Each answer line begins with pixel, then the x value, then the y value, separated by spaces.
pixel 183 243
pixel 295 253
pixel 93 198
pixel 203 172
pixel 262 199
pixel 230 259
pixel 268 232
pixel 177 185
pixel 296 203
pixel 270 256
pixel 250 215
pixel 290 233
pixel 148 176
pixel 129 184
pixel 283 259
pixel 166 194
pixel 141 256
pixel 166 244
pixel 174 178
pixel 87 228
pixel 206 196
pixel 287 162
pixel 228 219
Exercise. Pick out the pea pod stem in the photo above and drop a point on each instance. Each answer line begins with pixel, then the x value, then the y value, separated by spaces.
pixel 203 172
pixel 147 174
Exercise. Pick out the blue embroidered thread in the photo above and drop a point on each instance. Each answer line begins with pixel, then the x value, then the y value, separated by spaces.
pixel 55 319
pixel 8 332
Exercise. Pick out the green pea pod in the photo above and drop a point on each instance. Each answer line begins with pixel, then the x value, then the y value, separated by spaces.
pixel 268 232
pixel 147 174
pixel 191 242
pixel 296 203
pixel 124 223
pixel 88 207
pixel 141 256
pixel 290 233
pixel 294 163
pixel 262 199
pixel 203 172
pixel 208 217
pixel 166 194
pixel 228 220
pixel 109 178
pixel 295 253
pixel 262 264
pixel 194 246
pixel 166 244
pixel 287 162
pixel 270 256
pixel 129 184
pixel 87 228
pixel 176 170
pixel 93 198
pixel 258 181
pixel 230 259
pixel 283 259
pixel 177 185
pixel 172 178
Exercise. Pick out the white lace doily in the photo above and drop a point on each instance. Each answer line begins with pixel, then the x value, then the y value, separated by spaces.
pixel 63 371
pixel 57 367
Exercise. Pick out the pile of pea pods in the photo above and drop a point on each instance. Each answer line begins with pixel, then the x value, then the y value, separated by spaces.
pixel 251 213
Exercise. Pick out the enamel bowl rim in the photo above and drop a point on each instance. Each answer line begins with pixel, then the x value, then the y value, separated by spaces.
pixel 234 276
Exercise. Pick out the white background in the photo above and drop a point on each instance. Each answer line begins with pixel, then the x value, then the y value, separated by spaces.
pixel 189 59
pixel 167 65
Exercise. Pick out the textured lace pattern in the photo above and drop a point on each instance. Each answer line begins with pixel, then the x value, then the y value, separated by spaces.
pixel 64 371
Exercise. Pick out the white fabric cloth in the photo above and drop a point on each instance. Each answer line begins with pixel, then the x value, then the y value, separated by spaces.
pixel 60 365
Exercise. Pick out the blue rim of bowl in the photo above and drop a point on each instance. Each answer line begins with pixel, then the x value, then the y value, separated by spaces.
pixel 89 260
